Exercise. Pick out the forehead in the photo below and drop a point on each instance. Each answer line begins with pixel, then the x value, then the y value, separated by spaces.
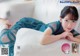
pixel 69 17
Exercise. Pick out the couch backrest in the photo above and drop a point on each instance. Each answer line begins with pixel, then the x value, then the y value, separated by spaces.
pixel 44 10
pixel 21 10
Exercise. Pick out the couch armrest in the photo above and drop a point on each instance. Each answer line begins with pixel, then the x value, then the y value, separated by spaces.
pixel 28 37
pixel 28 43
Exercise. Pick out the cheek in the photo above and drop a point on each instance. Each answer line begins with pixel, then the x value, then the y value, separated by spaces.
pixel 74 25
pixel 65 24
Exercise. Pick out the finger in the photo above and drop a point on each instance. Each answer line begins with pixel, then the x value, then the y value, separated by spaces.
pixel 67 38
pixel 71 34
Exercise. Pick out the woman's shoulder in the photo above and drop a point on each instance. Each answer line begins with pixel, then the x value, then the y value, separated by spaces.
pixel 54 23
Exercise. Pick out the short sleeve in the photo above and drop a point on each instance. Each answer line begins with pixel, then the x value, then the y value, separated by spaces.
pixel 75 33
pixel 53 26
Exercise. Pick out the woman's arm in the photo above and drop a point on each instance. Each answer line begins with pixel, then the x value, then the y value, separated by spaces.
pixel 74 39
pixel 77 39
pixel 49 38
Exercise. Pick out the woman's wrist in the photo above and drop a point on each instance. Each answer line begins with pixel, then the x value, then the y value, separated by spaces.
pixel 75 40
pixel 60 36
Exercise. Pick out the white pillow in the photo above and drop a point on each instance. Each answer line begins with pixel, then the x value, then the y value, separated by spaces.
pixel 25 39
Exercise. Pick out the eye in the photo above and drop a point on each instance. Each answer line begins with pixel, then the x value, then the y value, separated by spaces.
pixel 73 21
pixel 66 20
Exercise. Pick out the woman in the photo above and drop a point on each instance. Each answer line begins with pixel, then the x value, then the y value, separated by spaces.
pixel 63 29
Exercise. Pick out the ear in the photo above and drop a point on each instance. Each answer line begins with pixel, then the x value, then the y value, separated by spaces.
pixel 60 19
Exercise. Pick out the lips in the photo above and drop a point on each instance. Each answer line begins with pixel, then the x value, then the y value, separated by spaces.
pixel 69 28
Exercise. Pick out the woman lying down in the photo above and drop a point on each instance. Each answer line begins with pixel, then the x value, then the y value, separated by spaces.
pixel 54 31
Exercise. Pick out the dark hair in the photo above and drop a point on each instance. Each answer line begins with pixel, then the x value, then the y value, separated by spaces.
pixel 70 10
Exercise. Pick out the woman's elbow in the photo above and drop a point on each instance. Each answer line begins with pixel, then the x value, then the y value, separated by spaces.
pixel 43 42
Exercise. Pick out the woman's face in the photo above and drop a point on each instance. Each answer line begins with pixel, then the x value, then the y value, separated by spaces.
pixel 67 23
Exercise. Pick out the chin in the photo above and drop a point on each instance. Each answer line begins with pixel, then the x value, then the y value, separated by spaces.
pixel 67 30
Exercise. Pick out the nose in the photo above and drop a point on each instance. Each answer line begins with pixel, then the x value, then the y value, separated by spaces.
pixel 69 25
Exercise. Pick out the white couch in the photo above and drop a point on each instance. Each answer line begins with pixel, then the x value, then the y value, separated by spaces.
pixel 29 41
pixel 28 44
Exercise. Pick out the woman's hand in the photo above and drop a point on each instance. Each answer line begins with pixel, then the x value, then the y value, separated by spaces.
pixel 70 37
pixel 65 34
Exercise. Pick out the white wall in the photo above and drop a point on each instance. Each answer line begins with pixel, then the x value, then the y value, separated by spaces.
pixel 48 10
pixel 4 0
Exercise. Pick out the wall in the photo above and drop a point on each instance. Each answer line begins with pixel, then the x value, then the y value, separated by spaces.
pixel 48 10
